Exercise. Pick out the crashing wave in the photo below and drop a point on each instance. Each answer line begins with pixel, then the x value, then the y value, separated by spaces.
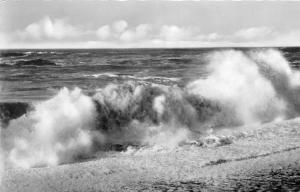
pixel 242 88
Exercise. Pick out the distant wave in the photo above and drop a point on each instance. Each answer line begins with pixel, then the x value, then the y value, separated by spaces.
pixel 12 54
pixel 22 54
pixel 114 75
pixel 152 78
pixel 39 52
pixel 243 88
pixel 35 62
pixel 97 75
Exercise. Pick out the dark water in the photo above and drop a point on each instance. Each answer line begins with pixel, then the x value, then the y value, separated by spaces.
pixel 91 69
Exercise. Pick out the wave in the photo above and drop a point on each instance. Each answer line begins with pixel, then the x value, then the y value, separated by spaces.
pixel 131 77
pixel 151 78
pixel 242 88
pixel 35 62
pixel 12 54
pixel 97 75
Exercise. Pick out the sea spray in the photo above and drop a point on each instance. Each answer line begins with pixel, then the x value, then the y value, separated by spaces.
pixel 236 82
pixel 57 131
pixel 286 81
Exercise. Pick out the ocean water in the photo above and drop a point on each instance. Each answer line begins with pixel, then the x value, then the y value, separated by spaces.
pixel 66 106
pixel 58 106
pixel 91 69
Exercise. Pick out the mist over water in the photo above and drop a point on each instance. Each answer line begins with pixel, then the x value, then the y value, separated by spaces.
pixel 242 88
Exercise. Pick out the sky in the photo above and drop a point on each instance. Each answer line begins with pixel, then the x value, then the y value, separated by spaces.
pixel 147 24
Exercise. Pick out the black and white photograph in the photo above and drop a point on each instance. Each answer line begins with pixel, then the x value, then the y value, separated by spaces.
pixel 149 95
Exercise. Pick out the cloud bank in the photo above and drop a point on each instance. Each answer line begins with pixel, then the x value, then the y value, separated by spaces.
pixel 48 28
pixel 60 33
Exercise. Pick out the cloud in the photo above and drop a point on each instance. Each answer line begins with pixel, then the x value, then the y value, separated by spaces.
pixel 48 28
pixel 127 35
pixel 120 26
pixel 266 36
pixel 254 33
pixel 174 33
pixel 120 31
pixel 139 33
pixel 104 32
pixel 142 30
pixel 209 37
pixel 52 32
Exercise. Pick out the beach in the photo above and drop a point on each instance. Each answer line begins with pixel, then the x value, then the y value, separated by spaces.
pixel 265 158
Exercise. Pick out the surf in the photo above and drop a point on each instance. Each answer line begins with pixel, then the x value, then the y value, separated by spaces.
pixel 243 88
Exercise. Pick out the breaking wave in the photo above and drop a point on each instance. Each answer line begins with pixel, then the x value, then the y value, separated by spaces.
pixel 97 75
pixel 131 77
pixel 242 88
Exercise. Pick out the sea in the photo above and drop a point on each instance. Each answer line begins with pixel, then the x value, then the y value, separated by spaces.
pixel 90 69
pixel 61 106
pixel 95 68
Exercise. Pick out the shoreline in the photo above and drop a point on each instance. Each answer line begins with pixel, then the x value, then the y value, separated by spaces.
pixel 244 164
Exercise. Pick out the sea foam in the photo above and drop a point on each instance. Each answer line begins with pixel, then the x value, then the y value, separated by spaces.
pixel 57 131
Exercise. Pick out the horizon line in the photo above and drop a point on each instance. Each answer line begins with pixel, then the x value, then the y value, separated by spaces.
pixel 209 47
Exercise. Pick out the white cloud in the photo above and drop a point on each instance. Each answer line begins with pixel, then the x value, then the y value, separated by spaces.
pixel 209 37
pixel 120 30
pixel 213 36
pixel 33 30
pixel 139 33
pixel 120 26
pixel 174 33
pixel 142 30
pixel 254 33
pixel 104 32
pixel 47 31
pixel 127 36
pixel 48 28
